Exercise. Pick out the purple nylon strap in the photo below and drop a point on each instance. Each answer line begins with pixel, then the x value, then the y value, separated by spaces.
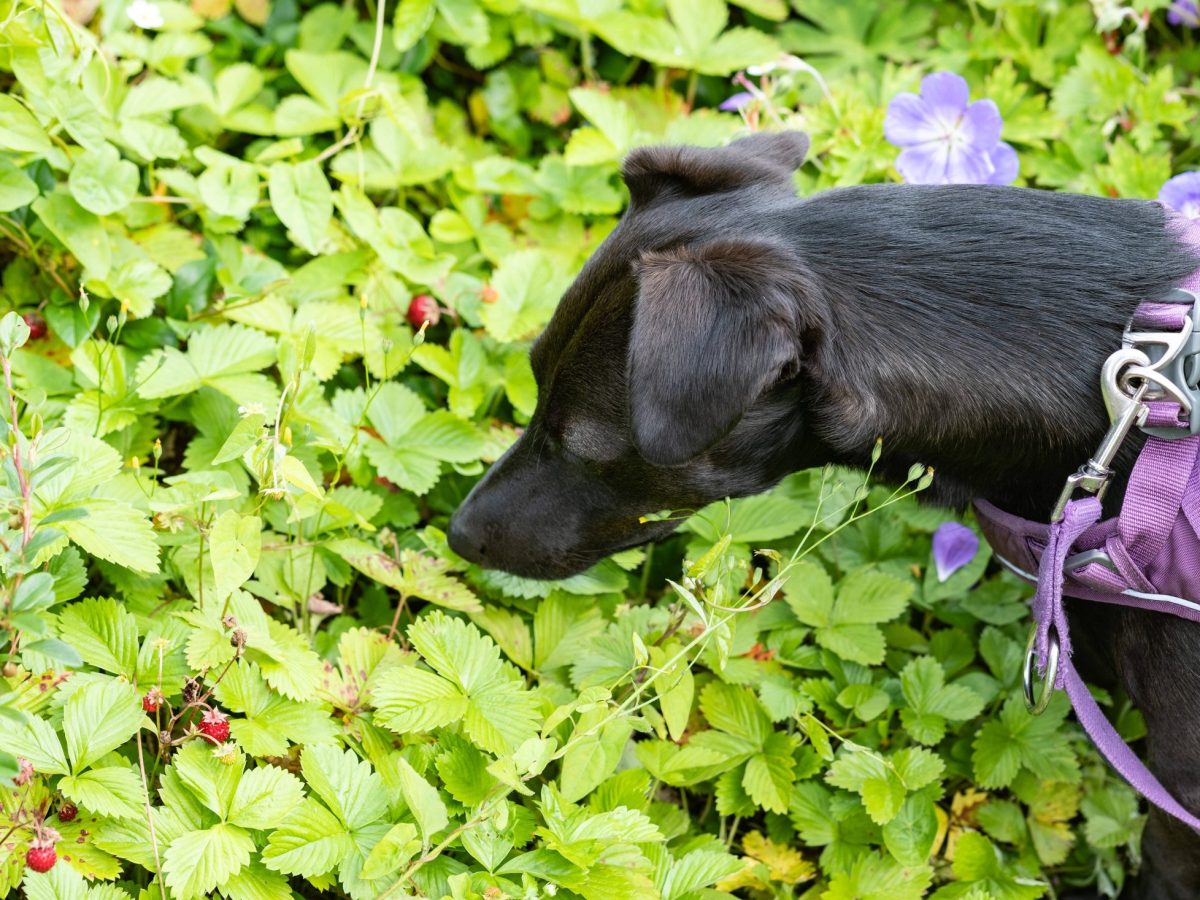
pixel 1163 494
pixel 1048 610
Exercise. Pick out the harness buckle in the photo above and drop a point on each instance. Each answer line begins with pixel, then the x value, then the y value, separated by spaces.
pixel 1173 368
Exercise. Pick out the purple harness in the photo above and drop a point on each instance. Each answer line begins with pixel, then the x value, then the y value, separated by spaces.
pixel 1148 556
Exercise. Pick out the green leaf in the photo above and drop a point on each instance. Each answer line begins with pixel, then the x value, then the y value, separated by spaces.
pixel 412 19
pixel 348 785
pixel 910 836
pixel 695 870
pixel 114 531
pixel 78 230
pixel 16 188
pixel 931 702
pixel 19 130
pixel 225 357
pixel 99 717
pixel 499 714
pixel 264 798
pixel 879 877
pixel 212 782
pixel 423 801
pixel 411 700
pixel 770 774
pixel 1017 740
pixel 246 433
pixel 735 710
pixel 36 740
pixel 102 182
pixel 394 849
pixel 593 752
pixel 235 544
pixel 528 286
pixel 309 843
pixel 197 862
pixel 303 201
pixel 104 633
pixel 114 791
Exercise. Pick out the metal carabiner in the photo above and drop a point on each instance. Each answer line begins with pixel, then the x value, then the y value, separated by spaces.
pixel 1037 701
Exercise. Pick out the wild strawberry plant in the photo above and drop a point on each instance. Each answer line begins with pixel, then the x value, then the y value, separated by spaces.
pixel 271 270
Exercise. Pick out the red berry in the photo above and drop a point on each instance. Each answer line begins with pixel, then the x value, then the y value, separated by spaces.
pixel 41 859
pixel 67 811
pixel 215 726
pixel 422 309
pixel 37 326
pixel 152 700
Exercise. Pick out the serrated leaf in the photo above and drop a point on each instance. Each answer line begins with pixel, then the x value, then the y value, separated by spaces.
pixel 423 800
pixel 347 785
pixel 99 717
pixel 198 861
pixel 310 842
pixel 36 740
pixel 104 633
pixel 264 797
pixel 409 700
pixel 114 791
pixel 303 201
pixel 235 543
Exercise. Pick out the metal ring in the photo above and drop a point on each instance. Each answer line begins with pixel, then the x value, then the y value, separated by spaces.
pixel 1037 703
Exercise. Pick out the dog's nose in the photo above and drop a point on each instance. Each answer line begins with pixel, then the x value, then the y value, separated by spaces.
pixel 465 537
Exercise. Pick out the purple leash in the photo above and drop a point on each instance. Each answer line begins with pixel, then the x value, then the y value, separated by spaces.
pixel 1148 557
pixel 1054 652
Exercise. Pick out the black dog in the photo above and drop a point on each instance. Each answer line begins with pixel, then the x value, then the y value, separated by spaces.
pixel 728 332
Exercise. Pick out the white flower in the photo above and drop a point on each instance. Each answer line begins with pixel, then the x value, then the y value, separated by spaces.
pixel 144 14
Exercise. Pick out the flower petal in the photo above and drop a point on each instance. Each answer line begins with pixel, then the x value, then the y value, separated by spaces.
pixel 925 163
pixel 1184 12
pixel 969 165
pixel 1005 164
pixel 909 121
pixel 954 545
pixel 981 125
pixel 737 101
pixel 1182 193
pixel 946 95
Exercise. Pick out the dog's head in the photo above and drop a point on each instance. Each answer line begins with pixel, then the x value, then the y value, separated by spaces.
pixel 671 373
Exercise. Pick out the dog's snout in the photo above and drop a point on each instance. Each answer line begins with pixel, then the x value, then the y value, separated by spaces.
pixel 466 536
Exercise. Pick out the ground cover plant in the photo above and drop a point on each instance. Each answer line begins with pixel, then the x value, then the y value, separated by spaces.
pixel 271 270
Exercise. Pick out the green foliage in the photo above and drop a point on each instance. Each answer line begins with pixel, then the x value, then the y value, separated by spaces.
pixel 228 467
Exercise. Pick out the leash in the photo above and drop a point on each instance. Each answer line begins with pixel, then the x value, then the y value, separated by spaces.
pixel 1148 557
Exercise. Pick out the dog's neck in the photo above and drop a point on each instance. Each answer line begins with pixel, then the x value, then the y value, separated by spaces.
pixel 972 338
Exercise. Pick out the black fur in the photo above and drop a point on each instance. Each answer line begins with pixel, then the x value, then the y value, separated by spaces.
pixel 728 333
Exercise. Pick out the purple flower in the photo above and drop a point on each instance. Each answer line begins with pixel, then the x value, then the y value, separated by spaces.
pixel 1182 194
pixel 1184 12
pixel 954 546
pixel 945 138
pixel 737 101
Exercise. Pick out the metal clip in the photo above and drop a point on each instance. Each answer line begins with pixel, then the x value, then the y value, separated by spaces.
pixel 1037 701
pixel 1094 475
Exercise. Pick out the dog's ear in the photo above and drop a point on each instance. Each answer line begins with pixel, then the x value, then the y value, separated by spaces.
pixel 767 157
pixel 713 328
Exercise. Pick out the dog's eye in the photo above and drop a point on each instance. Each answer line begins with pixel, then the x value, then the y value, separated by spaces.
pixel 590 441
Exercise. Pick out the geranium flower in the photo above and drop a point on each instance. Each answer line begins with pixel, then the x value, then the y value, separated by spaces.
pixel 1184 12
pixel 954 545
pixel 737 101
pixel 1182 194
pixel 945 138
